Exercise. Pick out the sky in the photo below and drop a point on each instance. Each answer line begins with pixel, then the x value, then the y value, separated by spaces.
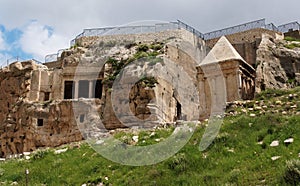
pixel 31 29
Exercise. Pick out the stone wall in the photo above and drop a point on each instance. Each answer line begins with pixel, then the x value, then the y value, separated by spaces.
pixel 247 51
pixel 248 36
pixel 294 34
pixel 143 37
pixel 247 42
pixel 54 64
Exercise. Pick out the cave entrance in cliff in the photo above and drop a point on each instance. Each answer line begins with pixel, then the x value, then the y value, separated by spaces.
pixel 98 89
pixel 40 122
pixel 178 111
pixel 69 89
pixel 47 96
pixel 83 89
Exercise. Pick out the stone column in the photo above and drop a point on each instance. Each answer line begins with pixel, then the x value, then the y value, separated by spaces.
pixel 39 84
pixel 214 98
pixel 76 89
pixel 244 87
pixel 240 81
pixel 202 95
pixel 91 89
pixel 228 86
pixel 248 87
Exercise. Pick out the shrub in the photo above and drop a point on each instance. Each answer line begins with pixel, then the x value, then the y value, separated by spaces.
pixel 156 46
pixel 1 172
pixel 131 60
pixel 112 61
pixel 76 45
pixel 15 177
pixel 130 45
pixel 234 175
pixel 153 54
pixel 140 55
pixel 291 80
pixel 292 172
pixel 148 81
pixel 95 181
pixel 178 163
pixel 143 48
pixel 39 154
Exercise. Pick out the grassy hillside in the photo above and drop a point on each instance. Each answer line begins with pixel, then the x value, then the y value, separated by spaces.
pixel 240 155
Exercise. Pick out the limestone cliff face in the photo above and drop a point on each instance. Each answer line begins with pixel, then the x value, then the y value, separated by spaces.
pixel 63 101
pixel 26 125
pixel 278 64
pixel 15 85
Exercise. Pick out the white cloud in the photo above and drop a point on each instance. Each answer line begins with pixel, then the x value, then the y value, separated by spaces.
pixel 39 41
pixel 69 17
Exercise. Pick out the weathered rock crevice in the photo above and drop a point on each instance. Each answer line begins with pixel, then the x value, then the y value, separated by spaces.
pixel 278 66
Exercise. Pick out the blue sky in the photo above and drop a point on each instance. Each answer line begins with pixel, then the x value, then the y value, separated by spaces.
pixel 29 41
pixel 9 44
pixel 33 29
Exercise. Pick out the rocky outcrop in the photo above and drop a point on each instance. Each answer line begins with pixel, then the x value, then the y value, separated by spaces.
pixel 278 64
pixel 15 85
pixel 26 125
pixel 39 109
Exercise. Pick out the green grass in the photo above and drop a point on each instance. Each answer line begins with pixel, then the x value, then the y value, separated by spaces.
pixel 292 44
pixel 234 158
pixel 143 53
pixel 291 39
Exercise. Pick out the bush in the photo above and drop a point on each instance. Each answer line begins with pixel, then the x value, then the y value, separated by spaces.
pixel 112 61
pixel 156 47
pixel 2 172
pixel 143 48
pixel 140 55
pixel 130 45
pixel 292 172
pixel 39 154
pixel 148 81
pixel 178 163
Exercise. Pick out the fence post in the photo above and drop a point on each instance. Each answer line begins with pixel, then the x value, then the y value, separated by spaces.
pixel 26 173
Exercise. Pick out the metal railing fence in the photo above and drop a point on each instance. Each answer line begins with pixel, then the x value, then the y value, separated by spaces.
pixel 289 27
pixel 235 29
pixel 177 25
pixel 16 59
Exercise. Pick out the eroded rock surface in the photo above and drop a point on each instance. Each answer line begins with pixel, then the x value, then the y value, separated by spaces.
pixel 278 66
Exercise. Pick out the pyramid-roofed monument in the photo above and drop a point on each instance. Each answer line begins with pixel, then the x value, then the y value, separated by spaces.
pixel 222 51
